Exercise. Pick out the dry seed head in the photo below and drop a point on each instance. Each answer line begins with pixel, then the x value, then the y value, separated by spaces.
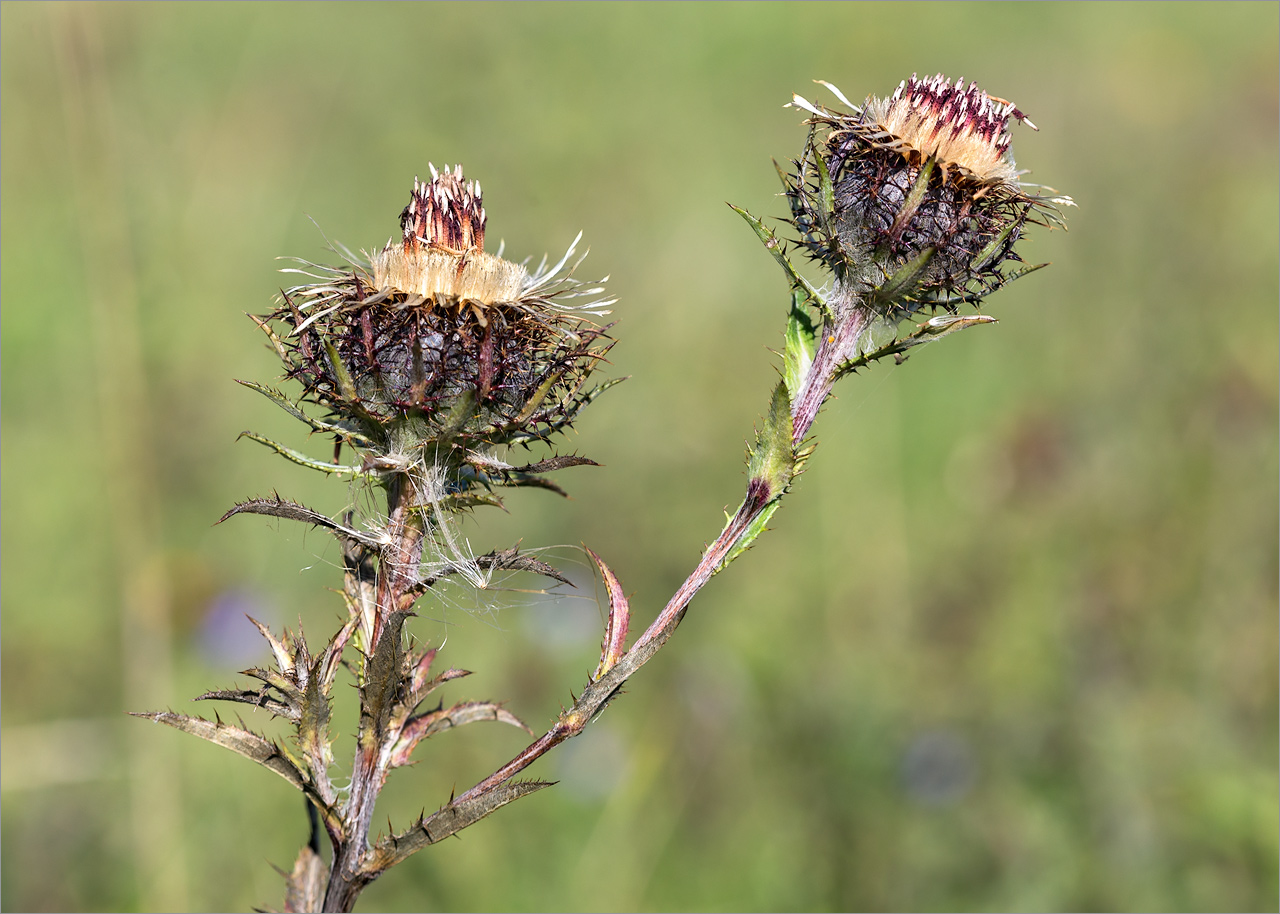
pixel 441 257
pixel 447 212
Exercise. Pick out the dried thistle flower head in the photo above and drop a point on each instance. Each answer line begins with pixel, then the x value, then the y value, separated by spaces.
pixel 434 341
pixel 922 181
pixel 441 257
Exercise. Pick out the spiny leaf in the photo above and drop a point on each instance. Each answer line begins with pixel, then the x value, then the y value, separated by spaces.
pixel 327 668
pixel 520 480
pixel 555 463
pixel 800 336
pixel 266 753
pixel 465 408
pixel 448 821
pixel 905 281
pixel 615 633
pixel 500 560
pixel 302 459
pixel 464 500
pixel 773 457
pixel 382 681
pixel 556 424
pixel 514 560
pixel 286 659
pixel 992 248
pixel 290 510
pixel 775 247
pixel 930 331
pixel 346 386
pixel 285 685
pixel 425 725
pixel 753 530
pixel 418 666
pixel 915 196
pixel 276 342
pixel 539 394
pixel 975 298
pixel 313 723
pixel 420 689
pixel 826 190
pixel 259 698
pixel 1020 272
pixel 349 435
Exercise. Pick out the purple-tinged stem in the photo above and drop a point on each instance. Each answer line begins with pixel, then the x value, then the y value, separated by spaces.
pixel 397 574
pixel 837 346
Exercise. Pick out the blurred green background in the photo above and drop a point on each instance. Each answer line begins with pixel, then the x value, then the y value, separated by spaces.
pixel 1012 642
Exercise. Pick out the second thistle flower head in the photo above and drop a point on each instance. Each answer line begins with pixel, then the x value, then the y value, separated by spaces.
pixel 922 181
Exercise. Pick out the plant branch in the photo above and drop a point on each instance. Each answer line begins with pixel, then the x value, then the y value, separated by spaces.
pixel 838 343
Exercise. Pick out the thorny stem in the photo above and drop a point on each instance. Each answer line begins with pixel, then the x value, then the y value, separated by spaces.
pixel 398 566
pixel 838 344
pixel 397 575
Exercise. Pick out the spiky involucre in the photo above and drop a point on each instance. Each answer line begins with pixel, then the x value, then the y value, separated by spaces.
pixel 434 330
pixel 972 210
pixel 418 361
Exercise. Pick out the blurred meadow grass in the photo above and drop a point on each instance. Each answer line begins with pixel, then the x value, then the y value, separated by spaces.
pixel 1012 643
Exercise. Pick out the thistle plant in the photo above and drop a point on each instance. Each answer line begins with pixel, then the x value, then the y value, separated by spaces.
pixel 430 362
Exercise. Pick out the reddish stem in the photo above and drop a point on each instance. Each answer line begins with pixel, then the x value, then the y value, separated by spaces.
pixel 397 574
pixel 837 346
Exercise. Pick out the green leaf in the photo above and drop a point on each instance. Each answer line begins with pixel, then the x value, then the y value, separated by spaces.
pixel 465 408
pixel 1021 272
pixel 350 436
pixel 775 247
pixel 754 529
pixel 826 192
pixel 800 336
pixel 992 248
pixel 773 457
pixel 569 413
pixel 905 281
pixel 300 458
pixel 915 197
pixel 931 330
pixel 346 386
pixel 276 342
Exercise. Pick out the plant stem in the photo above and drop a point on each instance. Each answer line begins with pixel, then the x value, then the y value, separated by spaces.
pixel 397 574
pixel 837 346
pixel 353 868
